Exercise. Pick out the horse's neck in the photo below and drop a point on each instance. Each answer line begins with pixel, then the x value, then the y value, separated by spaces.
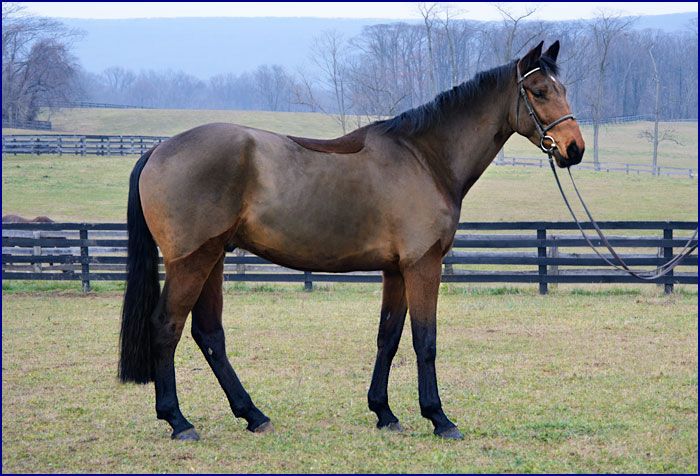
pixel 464 145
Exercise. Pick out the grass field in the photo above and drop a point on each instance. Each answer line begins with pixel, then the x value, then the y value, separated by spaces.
pixel 593 381
pixel 95 189
pixel 599 378
pixel 618 143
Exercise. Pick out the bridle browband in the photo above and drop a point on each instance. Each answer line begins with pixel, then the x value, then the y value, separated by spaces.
pixel 541 129
pixel 621 265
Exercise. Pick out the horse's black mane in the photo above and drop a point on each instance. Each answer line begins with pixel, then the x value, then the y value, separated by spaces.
pixel 422 118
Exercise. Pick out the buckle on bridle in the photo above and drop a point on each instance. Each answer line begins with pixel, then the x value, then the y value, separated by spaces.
pixel 549 150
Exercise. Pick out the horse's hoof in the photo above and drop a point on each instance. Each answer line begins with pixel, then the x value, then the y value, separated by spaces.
pixel 394 427
pixel 450 434
pixel 265 428
pixel 188 435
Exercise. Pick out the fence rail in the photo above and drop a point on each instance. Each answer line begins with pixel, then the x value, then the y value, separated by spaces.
pixel 39 125
pixel 78 144
pixel 545 253
pixel 111 145
pixel 629 169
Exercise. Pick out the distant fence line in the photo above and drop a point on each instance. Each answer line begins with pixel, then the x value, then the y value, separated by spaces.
pixel 625 119
pixel 96 105
pixel 40 125
pixel 629 169
pixel 531 252
pixel 120 145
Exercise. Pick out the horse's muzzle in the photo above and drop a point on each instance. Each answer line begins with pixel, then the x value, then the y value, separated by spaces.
pixel 574 155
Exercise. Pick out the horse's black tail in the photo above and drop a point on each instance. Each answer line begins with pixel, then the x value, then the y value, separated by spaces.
pixel 142 289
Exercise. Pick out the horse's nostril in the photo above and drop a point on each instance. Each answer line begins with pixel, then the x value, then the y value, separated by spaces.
pixel 574 154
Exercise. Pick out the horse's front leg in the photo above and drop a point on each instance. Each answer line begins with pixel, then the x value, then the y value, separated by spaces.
pixel 422 285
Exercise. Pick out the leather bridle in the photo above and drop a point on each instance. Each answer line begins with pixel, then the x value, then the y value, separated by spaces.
pixel 620 265
pixel 541 128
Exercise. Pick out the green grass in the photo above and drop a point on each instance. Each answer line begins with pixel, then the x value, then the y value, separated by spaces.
pixel 618 143
pixel 570 382
pixel 95 189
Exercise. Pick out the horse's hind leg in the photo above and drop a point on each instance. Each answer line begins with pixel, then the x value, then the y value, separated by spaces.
pixel 209 335
pixel 391 322
pixel 184 280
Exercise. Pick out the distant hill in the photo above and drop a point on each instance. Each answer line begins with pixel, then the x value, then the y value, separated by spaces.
pixel 207 46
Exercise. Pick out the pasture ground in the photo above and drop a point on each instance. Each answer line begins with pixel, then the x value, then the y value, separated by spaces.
pixel 601 380
pixel 618 142
pixel 73 188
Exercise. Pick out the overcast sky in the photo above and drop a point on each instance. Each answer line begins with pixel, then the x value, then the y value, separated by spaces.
pixel 390 10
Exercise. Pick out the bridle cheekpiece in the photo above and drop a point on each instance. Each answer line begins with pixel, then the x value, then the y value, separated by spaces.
pixel 541 128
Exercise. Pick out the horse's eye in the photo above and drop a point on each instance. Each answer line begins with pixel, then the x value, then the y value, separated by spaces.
pixel 538 93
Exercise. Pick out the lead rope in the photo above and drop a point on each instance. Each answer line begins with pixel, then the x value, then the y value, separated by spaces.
pixel 622 266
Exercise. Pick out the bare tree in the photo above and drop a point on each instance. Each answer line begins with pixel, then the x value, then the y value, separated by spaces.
pixel 447 17
pixel 118 80
pixel 652 136
pixel 512 25
pixel 606 28
pixel 38 69
pixel 327 52
pixel 429 12
pixel 274 86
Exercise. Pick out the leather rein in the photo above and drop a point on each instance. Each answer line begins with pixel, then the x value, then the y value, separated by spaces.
pixel 542 130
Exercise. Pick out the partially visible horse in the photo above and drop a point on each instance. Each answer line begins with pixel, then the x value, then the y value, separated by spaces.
pixel 19 219
pixel 385 197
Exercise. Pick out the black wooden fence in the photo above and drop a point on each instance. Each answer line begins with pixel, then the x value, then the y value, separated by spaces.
pixel 507 252
pixel 78 144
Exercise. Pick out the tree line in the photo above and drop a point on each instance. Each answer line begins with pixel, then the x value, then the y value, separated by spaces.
pixel 609 68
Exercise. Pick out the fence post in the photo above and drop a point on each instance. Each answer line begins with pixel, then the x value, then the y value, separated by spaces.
pixel 240 267
pixel 308 281
pixel 668 254
pixel 82 145
pixel 36 251
pixel 449 269
pixel 84 260
pixel 542 253
pixel 554 253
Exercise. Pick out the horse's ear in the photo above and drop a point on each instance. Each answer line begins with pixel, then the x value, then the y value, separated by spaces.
pixel 553 51
pixel 531 59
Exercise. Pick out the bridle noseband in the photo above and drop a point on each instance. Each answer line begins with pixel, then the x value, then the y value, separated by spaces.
pixel 541 129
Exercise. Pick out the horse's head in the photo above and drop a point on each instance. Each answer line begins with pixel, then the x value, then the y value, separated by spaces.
pixel 541 112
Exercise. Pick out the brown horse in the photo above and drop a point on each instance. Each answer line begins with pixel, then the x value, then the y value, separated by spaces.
pixel 385 197
pixel 21 219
